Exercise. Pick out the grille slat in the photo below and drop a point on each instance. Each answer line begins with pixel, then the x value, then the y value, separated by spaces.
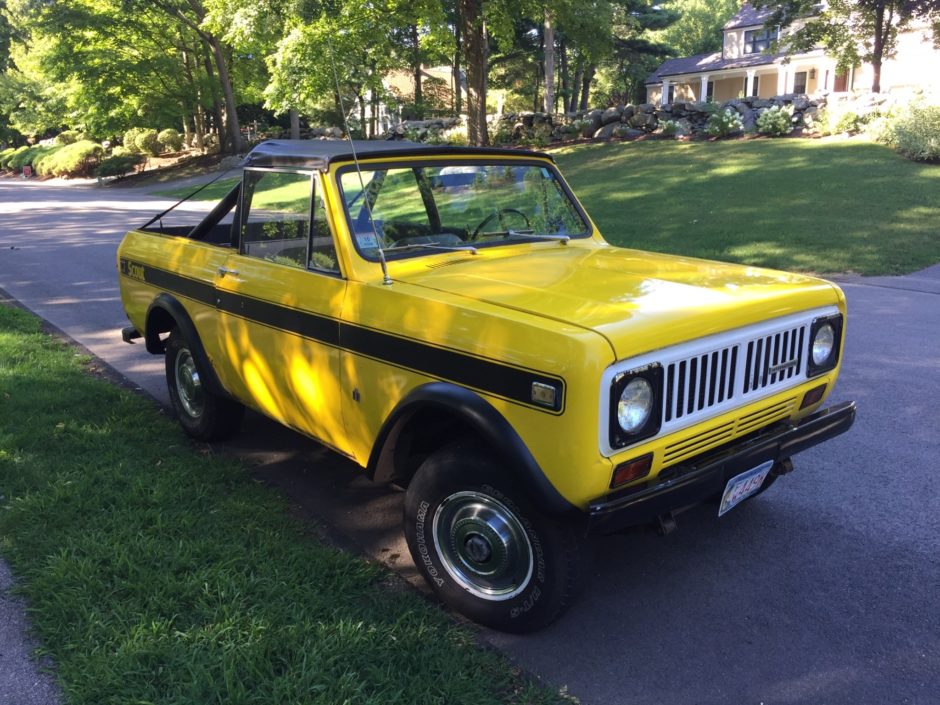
pixel 705 382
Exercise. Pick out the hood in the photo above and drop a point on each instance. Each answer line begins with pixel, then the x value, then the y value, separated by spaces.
pixel 639 301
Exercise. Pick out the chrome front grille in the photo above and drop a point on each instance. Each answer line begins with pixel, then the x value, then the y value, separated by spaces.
pixel 711 376
pixel 714 378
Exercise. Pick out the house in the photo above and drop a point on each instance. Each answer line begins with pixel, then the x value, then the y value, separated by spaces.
pixel 744 68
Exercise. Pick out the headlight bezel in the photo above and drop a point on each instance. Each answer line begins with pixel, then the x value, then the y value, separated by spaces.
pixel 835 322
pixel 653 374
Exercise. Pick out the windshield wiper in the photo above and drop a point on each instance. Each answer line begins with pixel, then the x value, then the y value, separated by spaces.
pixel 537 236
pixel 424 246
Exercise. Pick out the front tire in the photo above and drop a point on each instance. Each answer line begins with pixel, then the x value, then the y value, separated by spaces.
pixel 484 548
pixel 203 415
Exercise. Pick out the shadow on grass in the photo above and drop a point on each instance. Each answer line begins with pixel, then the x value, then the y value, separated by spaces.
pixel 808 205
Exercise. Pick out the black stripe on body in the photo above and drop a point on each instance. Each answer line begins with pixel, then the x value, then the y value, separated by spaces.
pixel 490 376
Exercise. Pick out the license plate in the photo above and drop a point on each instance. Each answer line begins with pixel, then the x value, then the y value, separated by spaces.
pixel 742 486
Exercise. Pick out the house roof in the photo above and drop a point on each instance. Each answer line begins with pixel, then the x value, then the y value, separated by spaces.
pixel 707 62
pixel 319 154
pixel 748 16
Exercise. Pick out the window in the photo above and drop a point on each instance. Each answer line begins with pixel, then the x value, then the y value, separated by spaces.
pixel 276 221
pixel 430 209
pixel 672 93
pixel 799 82
pixel 755 86
pixel 758 40
pixel 710 91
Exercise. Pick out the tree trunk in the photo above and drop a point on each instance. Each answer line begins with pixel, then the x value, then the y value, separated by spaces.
pixel 187 131
pixel 878 50
pixel 362 112
pixel 216 106
pixel 416 70
pixel 199 124
pixel 548 40
pixel 471 13
pixel 374 118
pixel 586 86
pixel 458 89
pixel 576 88
pixel 234 129
pixel 565 86
pixel 294 124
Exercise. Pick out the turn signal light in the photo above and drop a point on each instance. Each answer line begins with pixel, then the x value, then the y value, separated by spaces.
pixel 632 470
pixel 813 396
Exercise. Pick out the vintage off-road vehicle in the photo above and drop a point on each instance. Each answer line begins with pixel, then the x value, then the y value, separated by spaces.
pixel 452 321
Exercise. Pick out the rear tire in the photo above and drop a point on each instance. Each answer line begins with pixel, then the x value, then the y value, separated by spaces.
pixel 203 415
pixel 484 548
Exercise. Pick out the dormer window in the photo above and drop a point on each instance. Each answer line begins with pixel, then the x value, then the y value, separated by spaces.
pixel 758 40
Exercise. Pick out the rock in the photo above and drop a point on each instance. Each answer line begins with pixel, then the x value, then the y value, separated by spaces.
pixel 630 133
pixel 607 131
pixel 698 106
pixel 611 115
pixel 749 120
pixel 684 127
pixel 761 103
pixel 592 122
pixel 628 112
pixel 646 107
pixel 738 105
pixel 800 102
pixel 644 121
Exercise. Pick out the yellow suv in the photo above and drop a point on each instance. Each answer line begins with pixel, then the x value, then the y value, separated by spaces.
pixel 451 320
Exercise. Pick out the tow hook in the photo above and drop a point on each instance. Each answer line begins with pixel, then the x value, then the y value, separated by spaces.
pixel 665 524
pixel 782 467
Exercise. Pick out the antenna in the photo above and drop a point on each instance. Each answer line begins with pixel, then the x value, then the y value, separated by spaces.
pixel 386 280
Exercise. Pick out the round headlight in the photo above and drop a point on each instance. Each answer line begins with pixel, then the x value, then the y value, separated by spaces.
pixel 823 343
pixel 635 405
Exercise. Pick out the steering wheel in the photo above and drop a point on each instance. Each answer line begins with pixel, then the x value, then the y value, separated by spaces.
pixel 498 214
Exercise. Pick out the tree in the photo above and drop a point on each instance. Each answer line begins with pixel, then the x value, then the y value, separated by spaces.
pixel 855 31
pixel 698 30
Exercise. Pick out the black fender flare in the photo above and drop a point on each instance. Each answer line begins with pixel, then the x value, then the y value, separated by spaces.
pixel 496 432
pixel 170 306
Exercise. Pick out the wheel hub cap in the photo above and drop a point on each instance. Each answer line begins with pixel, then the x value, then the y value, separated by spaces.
pixel 483 545
pixel 188 385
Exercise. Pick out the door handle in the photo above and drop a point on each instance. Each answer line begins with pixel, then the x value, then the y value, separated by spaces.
pixel 225 270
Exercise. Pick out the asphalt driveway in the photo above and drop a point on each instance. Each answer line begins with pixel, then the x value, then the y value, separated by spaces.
pixel 823 590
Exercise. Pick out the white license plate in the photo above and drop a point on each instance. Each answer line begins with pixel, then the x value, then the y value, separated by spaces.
pixel 742 486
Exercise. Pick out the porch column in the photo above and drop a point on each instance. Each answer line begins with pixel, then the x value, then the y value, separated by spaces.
pixel 791 78
pixel 781 80
pixel 703 93
pixel 664 98
pixel 749 83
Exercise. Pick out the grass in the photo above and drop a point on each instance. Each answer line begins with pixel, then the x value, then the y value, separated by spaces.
pixel 157 572
pixel 804 205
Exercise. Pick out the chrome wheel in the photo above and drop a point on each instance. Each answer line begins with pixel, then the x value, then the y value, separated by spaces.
pixel 483 545
pixel 188 386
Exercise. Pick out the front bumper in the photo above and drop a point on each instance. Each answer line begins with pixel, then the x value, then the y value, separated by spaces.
pixel 697 479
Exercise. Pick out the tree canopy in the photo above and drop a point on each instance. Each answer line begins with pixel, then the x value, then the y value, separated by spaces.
pixel 199 66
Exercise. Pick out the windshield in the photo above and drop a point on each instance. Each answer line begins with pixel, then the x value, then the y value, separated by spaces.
pixel 430 209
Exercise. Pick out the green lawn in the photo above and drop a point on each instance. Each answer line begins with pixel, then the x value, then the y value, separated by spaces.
pixel 808 205
pixel 159 572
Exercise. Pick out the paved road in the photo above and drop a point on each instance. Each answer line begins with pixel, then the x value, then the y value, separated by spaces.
pixel 824 590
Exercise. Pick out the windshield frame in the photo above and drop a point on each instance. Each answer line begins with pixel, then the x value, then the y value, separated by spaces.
pixel 445 161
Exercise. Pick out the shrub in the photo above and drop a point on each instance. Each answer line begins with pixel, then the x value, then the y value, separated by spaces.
pixel 26 157
pixel 724 123
pixel 119 165
pixel 916 133
pixel 775 121
pixel 147 143
pixel 5 154
pixel 75 159
pixel 670 128
pixel 5 161
pixel 67 137
pixel 120 151
pixel 170 140
pixel 130 139
pixel 848 121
